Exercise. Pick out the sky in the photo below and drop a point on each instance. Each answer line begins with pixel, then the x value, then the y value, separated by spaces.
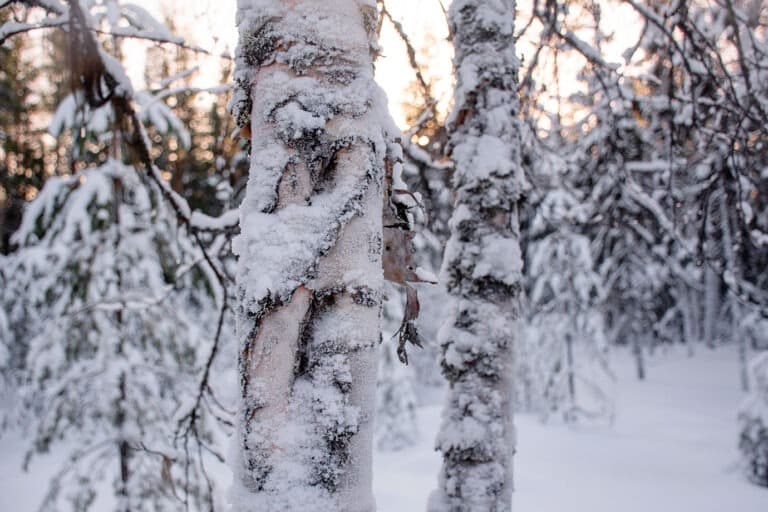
pixel 211 24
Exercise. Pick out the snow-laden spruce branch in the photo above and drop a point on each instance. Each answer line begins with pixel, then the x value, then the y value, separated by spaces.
pixel 137 301
pixel 104 83
pixel 139 141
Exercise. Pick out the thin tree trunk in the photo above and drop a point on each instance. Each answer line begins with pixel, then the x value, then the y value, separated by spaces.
pixel 482 263
pixel 637 352
pixel 124 451
pixel 714 255
pixel 689 327
pixel 570 413
pixel 743 362
pixel 731 265
pixel 711 305
pixel 309 272
pixel 123 448
pixel 696 314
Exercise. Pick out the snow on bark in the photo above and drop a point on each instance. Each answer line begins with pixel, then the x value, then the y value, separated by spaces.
pixel 482 263
pixel 310 272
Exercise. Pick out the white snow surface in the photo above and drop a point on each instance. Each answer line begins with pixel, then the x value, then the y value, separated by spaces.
pixel 671 448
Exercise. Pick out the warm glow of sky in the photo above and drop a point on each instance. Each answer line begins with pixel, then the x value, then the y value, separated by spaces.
pixel 210 24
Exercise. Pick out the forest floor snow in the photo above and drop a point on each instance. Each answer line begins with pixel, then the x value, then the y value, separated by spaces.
pixel 671 448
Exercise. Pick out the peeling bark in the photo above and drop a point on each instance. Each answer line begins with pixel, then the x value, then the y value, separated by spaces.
pixel 310 264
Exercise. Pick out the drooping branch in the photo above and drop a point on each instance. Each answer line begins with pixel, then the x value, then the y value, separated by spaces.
pixel 102 82
pixel 430 102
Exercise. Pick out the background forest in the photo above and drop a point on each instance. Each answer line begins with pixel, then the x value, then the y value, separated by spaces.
pixel 643 229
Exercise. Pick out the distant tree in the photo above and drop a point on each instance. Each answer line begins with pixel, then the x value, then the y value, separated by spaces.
pixel 115 350
pixel 701 60
pixel 567 354
pixel 121 304
pixel 753 424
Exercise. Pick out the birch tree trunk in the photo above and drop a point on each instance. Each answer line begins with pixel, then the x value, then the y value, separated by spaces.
pixel 482 264
pixel 309 272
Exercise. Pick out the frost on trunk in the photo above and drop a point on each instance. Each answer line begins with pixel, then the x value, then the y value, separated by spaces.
pixel 310 273
pixel 482 263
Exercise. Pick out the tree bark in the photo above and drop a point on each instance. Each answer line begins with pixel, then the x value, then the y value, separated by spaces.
pixel 482 263
pixel 309 271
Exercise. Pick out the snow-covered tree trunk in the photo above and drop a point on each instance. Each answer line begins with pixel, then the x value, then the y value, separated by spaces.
pixel 309 272
pixel 482 263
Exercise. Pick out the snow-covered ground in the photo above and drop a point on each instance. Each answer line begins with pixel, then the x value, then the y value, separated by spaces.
pixel 672 448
